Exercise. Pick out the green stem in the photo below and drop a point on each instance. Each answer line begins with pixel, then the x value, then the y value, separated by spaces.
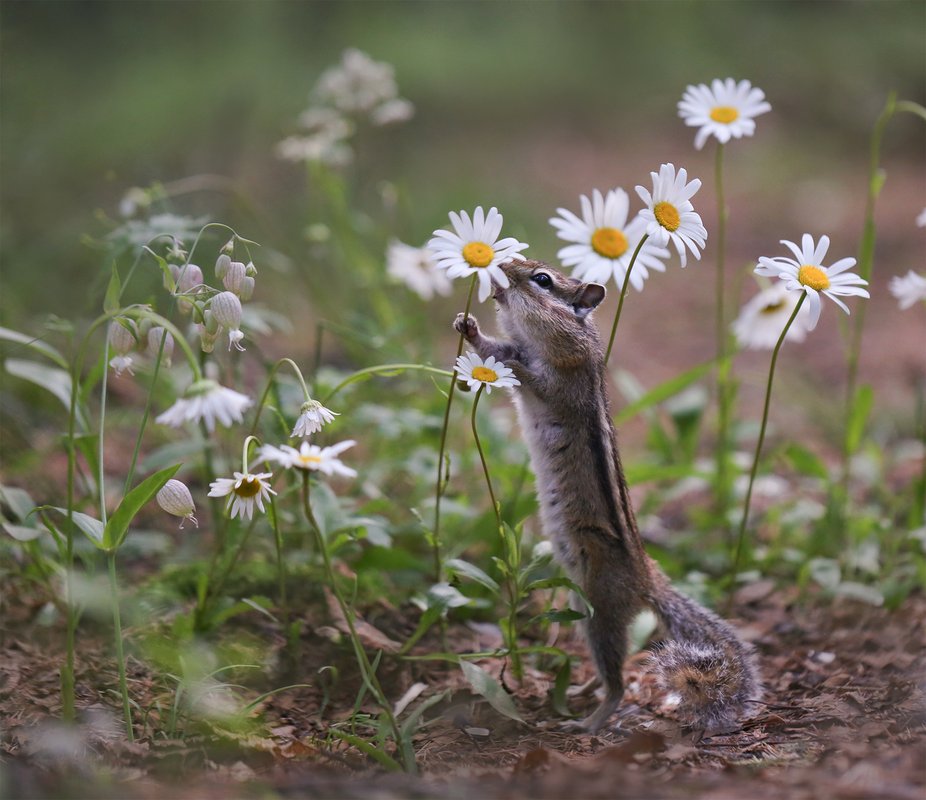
pixel 281 568
pixel 369 674
pixel 439 487
pixel 511 634
pixel 380 369
pixel 120 656
pixel 722 488
pixel 755 461
pixel 620 303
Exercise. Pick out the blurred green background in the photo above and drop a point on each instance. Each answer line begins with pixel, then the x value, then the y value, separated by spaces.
pixel 521 105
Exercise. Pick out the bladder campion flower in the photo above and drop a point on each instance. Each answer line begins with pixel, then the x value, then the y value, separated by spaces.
pixel 226 308
pixel 909 289
pixel 805 272
pixel 604 241
pixel 725 109
pixel 175 498
pixel 763 318
pixel 311 457
pixel 244 491
pixel 122 341
pixel 206 401
pixel 417 269
pixel 475 249
pixel 489 373
pixel 155 335
pixel 669 213
pixel 312 417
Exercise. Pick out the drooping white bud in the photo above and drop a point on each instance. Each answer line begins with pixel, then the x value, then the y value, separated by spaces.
pixel 175 498
pixel 189 276
pixel 312 416
pixel 154 344
pixel 251 269
pixel 122 338
pixel 221 265
pixel 226 308
pixel 247 288
pixel 234 275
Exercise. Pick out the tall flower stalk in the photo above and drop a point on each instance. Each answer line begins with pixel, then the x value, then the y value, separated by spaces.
pixel 620 302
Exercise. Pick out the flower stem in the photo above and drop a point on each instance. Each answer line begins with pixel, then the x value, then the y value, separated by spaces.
pixel 620 303
pixel 755 461
pixel 511 630
pixel 407 754
pixel 724 399
pixel 120 656
pixel 439 487
pixel 386 369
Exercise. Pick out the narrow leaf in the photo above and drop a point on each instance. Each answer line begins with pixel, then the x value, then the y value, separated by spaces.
pixel 36 344
pixel 113 292
pixel 855 426
pixel 21 533
pixel 118 525
pixel 663 391
pixel 91 527
pixel 459 567
pixel 55 380
pixel 806 462
pixel 554 583
pixel 485 685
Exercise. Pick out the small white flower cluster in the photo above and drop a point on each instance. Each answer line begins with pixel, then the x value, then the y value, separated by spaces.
pixel 126 337
pixel 357 88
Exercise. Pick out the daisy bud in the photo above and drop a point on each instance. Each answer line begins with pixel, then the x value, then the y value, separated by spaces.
pixel 234 275
pixel 221 265
pixel 226 307
pixel 176 499
pixel 154 344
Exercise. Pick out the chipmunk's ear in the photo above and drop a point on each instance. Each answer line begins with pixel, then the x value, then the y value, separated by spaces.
pixel 588 299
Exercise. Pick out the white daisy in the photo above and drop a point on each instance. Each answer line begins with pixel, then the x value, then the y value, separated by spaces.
pixel 474 248
pixel 417 269
pixel 312 417
pixel 805 272
pixel 725 109
pixel 206 401
pixel 244 491
pixel 909 289
pixel 311 457
pixel 605 241
pixel 762 319
pixel 669 213
pixel 175 498
pixel 489 373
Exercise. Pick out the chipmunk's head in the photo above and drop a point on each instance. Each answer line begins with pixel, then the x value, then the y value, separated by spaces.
pixel 545 307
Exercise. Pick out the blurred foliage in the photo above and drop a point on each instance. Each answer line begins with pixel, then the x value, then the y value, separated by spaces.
pixel 101 96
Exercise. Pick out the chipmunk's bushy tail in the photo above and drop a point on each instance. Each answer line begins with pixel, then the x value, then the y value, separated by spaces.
pixel 702 663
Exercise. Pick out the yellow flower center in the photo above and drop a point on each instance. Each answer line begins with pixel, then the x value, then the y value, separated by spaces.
pixel 667 215
pixel 814 277
pixel 771 308
pixel 724 114
pixel 478 254
pixel 485 374
pixel 609 242
pixel 309 461
pixel 249 487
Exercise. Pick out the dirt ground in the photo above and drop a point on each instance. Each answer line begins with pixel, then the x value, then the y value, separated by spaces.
pixel 845 717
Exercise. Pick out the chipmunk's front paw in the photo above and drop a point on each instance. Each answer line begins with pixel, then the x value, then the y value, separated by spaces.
pixel 466 325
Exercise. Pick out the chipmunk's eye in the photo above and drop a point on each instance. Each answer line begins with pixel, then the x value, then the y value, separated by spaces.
pixel 543 280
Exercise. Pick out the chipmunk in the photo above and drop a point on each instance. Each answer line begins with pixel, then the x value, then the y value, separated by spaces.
pixel 555 351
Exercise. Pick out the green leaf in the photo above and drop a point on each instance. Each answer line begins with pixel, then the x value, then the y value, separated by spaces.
pixel 858 416
pixel 560 687
pixel 36 344
pixel 18 501
pixel 21 533
pixel 806 462
pixel 57 381
pixel 485 685
pixel 459 567
pixel 368 749
pixel 410 725
pixel 118 525
pixel 559 615
pixel 663 392
pixel 112 299
pixel 91 527
pixel 560 581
